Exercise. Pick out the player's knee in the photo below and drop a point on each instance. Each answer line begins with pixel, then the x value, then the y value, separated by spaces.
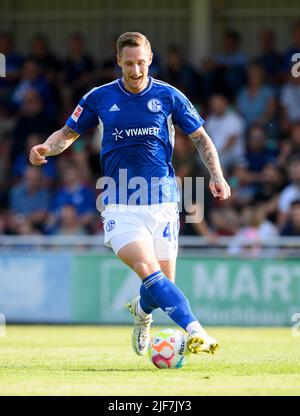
pixel 145 268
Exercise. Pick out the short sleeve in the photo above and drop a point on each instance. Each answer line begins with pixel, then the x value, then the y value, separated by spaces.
pixel 185 114
pixel 84 116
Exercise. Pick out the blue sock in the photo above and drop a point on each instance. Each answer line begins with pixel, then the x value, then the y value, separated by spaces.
pixel 147 303
pixel 169 298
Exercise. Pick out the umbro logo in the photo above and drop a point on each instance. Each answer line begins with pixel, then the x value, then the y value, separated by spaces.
pixel 114 108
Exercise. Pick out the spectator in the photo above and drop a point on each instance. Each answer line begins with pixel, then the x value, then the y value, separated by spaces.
pixel 256 101
pixel 292 226
pixel 257 154
pixel 33 79
pixel 185 156
pixel 197 225
pixel 270 59
pixel 187 169
pixel 224 222
pixel 32 119
pixel 231 55
pixel 25 227
pixel 255 228
pixel 51 69
pixel 242 184
pixel 30 199
pixel 225 73
pixel 3 223
pixel 109 63
pixel 5 171
pixel 78 68
pixel 74 192
pixel 155 69
pixel 41 53
pixel 290 103
pixel 21 162
pixel 181 75
pixel 270 183
pixel 69 222
pixel 13 67
pixel 226 128
pixel 255 176
pixel 290 146
pixel 294 48
pixel 291 192
pixel 106 73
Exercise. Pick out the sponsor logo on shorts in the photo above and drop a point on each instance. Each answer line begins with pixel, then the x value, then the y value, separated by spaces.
pixel 154 105
pixel 110 225
pixel 76 113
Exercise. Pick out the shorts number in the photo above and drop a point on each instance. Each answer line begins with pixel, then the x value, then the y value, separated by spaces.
pixel 167 231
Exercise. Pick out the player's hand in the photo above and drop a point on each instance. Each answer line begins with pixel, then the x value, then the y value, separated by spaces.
pixel 38 154
pixel 219 188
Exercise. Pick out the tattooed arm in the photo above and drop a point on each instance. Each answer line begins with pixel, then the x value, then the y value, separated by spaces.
pixel 54 145
pixel 208 153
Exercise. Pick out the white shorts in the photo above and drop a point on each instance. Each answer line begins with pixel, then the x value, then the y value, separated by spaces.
pixel 157 223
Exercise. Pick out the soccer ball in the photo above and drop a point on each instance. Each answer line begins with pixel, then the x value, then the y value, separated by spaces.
pixel 167 349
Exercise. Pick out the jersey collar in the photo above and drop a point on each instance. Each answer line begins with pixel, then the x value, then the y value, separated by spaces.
pixel 144 91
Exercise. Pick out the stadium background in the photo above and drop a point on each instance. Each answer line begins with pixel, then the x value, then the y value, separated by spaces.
pixel 238 267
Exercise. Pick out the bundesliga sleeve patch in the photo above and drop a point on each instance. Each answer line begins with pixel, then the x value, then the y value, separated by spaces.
pixel 193 110
pixel 76 113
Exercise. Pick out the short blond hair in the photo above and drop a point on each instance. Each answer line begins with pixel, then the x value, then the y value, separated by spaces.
pixel 132 39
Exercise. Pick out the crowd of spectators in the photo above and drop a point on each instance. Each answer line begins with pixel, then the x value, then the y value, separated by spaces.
pixel 251 106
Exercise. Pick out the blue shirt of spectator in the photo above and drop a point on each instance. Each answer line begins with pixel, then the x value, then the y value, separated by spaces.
pixel 252 107
pixel 22 201
pixel 81 197
pixel 256 161
pixel 21 163
pixel 13 64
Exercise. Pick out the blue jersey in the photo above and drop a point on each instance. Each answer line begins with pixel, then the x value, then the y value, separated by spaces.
pixel 137 138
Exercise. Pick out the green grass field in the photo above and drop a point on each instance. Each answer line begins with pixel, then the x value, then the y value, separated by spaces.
pixel 82 360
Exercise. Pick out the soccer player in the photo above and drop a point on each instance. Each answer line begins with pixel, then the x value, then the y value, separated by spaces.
pixel 136 116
